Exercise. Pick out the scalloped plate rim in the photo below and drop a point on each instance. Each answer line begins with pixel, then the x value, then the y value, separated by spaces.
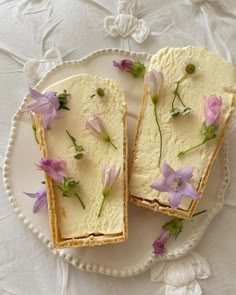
pixel 133 271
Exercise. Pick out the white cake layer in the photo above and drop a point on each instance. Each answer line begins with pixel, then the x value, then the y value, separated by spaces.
pixel 213 75
pixel 73 220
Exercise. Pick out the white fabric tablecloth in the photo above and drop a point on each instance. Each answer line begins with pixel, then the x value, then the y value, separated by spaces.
pixel 37 34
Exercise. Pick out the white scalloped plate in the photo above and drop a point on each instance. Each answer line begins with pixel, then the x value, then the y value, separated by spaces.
pixel 135 255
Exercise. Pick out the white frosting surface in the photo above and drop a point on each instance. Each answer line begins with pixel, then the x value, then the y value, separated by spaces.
pixel 73 220
pixel 213 75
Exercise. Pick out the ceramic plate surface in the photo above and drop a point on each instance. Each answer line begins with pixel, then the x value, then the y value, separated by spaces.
pixel 135 255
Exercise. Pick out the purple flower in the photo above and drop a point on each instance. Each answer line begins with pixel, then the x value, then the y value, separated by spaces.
pixel 46 104
pixel 176 184
pixel 159 243
pixel 95 125
pixel 212 107
pixel 41 199
pixel 154 81
pixel 109 175
pixel 124 65
pixel 56 169
pixel 137 69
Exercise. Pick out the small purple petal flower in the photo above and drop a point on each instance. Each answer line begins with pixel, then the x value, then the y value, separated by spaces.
pixel 136 68
pixel 176 184
pixel 212 107
pixel 41 199
pixel 56 169
pixel 159 244
pixel 45 103
pixel 154 81
pixel 95 125
pixel 125 65
pixel 109 175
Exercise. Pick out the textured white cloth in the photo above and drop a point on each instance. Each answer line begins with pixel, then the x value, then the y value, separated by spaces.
pixel 38 34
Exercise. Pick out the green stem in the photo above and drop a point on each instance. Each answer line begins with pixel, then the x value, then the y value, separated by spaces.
pixel 103 200
pixel 72 139
pixel 176 94
pixel 113 145
pixel 81 202
pixel 35 132
pixel 196 214
pixel 159 128
pixel 180 154
pixel 200 212
pixel 78 148
pixel 181 100
pixel 107 138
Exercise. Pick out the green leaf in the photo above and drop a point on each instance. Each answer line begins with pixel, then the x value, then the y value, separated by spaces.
pixel 174 226
pixel 138 69
pixel 63 100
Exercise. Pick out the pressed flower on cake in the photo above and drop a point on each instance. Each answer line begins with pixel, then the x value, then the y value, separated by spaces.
pixel 95 125
pixel 79 149
pixel 69 188
pixel 154 81
pixel 47 104
pixel 109 175
pixel 176 184
pixel 212 108
pixel 55 168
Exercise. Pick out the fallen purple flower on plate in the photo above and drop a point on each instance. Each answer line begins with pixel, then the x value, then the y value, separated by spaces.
pixel 137 69
pixel 159 243
pixel 41 199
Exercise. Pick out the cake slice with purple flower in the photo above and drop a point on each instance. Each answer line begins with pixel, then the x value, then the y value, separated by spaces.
pixel 188 103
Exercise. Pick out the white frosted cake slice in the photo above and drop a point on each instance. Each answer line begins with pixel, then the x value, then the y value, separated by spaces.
pixel 71 224
pixel 207 75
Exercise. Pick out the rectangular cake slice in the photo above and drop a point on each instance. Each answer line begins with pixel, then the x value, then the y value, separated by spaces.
pixel 71 224
pixel 193 73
